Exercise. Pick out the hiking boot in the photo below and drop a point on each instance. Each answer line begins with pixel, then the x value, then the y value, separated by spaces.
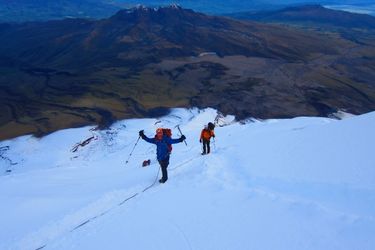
pixel 162 180
pixel 203 153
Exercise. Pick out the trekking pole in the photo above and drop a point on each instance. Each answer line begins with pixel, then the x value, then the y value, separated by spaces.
pixel 131 153
pixel 178 127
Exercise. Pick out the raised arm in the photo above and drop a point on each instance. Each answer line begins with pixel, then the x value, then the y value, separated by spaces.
pixel 174 141
pixel 150 140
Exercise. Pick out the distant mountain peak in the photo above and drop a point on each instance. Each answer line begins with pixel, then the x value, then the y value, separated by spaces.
pixel 175 6
pixel 144 8
pixel 169 13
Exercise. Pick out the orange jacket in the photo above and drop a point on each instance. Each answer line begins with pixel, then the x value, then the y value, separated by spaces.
pixel 206 134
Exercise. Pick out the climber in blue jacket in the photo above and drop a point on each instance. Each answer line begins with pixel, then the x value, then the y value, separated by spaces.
pixel 163 142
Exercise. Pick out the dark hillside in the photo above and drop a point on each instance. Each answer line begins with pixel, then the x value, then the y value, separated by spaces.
pixel 141 61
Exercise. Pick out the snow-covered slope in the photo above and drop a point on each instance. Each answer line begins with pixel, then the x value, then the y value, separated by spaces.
pixel 303 183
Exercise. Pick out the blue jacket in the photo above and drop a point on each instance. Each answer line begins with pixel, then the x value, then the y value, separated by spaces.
pixel 162 145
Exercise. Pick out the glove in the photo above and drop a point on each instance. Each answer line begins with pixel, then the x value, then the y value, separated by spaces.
pixel 213 136
pixel 141 133
pixel 200 140
pixel 182 138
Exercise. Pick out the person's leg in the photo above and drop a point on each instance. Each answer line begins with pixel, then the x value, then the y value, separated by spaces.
pixel 204 147
pixel 208 147
pixel 164 173
pixel 163 165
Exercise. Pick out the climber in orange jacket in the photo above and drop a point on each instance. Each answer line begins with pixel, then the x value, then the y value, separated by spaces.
pixel 206 135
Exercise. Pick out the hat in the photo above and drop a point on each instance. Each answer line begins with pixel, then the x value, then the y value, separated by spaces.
pixel 211 126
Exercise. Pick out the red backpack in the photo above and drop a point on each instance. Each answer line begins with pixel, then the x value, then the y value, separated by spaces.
pixel 167 132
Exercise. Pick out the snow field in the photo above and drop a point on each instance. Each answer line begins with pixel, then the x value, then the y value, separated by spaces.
pixel 302 183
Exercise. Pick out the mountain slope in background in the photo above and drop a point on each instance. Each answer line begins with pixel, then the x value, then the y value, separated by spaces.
pixel 41 10
pixel 37 10
pixel 302 183
pixel 142 61
pixel 315 15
